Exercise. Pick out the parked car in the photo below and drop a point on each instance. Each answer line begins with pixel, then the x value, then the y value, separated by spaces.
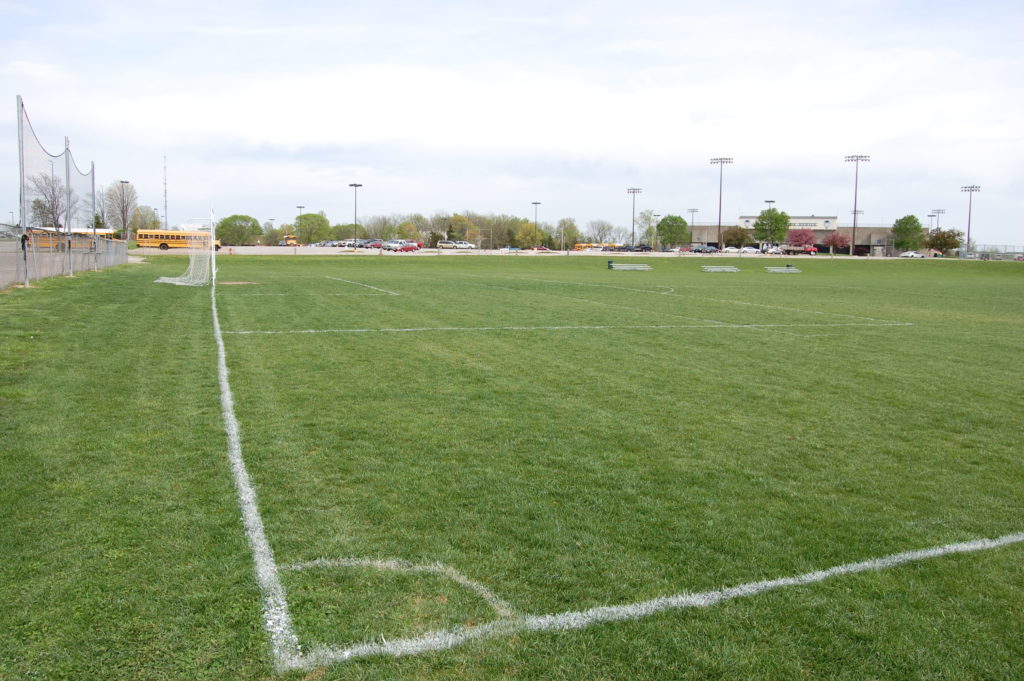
pixel 464 245
pixel 700 248
pixel 446 244
pixel 775 250
pixel 911 254
pixel 540 248
pixel 749 249
pixel 408 247
pixel 730 249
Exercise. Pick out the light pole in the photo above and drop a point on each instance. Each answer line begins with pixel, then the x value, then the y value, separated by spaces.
pixel 931 218
pixel 634 191
pixel 855 159
pixel 655 239
pixel 771 207
pixel 536 228
pixel 355 208
pixel 970 189
pixel 298 223
pixel 938 212
pixel 693 220
pixel 720 162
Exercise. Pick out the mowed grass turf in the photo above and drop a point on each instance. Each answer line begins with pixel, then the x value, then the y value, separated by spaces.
pixel 565 435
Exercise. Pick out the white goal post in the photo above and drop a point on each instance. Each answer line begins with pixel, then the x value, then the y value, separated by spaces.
pixel 202 264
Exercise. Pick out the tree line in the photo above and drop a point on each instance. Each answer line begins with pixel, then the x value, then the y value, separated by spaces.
pixel 118 209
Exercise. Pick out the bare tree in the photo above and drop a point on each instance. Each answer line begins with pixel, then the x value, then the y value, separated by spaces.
pixel 122 202
pixel 600 231
pixel 52 202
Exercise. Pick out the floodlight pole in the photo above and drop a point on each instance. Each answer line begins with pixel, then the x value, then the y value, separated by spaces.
pixel 355 208
pixel 720 162
pixel 970 189
pixel 298 223
pixel 536 228
pixel 634 191
pixel 656 216
pixel 939 212
pixel 855 159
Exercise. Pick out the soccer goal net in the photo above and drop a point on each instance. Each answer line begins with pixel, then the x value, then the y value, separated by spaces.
pixel 200 268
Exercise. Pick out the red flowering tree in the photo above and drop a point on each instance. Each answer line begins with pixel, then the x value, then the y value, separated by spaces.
pixel 835 240
pixel 800 237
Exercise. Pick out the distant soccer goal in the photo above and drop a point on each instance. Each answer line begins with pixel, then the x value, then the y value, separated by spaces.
pixel 201 266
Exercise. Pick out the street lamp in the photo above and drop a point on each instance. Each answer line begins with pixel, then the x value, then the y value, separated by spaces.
pixel 855 159
pixel 720 162
pixel 970 189
pixel 634 191
pixel 536 228
pixel 771 207
pixel 298 223
pixel 355 207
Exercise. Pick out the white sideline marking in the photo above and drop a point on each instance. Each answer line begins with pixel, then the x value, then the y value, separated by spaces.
pixel 567 621
pixel 390 293
pixel 429 329
pixel 501 608
pixel 283 641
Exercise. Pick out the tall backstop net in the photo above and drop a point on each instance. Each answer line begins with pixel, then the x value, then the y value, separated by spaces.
pixel 57 233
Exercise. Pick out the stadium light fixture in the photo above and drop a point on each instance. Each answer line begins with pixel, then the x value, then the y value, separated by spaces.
pixel 931 218
pixel 355 208
pixel 721 161
pixel 855 159
pixel 634 191
pixel 970 189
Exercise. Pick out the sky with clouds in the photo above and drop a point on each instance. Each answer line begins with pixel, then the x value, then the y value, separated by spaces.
pixel 454 105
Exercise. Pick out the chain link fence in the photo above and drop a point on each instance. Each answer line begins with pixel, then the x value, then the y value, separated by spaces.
pixel 39 255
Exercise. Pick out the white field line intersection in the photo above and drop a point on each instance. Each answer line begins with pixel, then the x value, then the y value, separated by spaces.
pixel 569 621
pixel 284 643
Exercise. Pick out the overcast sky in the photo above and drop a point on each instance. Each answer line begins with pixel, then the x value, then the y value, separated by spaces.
pixel 488 106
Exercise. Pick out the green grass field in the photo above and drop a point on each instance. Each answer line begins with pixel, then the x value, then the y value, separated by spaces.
pixel 463 444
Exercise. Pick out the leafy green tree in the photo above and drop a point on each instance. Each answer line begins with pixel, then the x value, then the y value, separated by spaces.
pixel 907 233
pixel 945 240
pixel 145 218
pixel 408 231
pixel 568 233
pixel 736 236
pixel 311 228
pixel 239 230
pixel 673 231
pixel 528 235
pixel 459 226
pixel 771 226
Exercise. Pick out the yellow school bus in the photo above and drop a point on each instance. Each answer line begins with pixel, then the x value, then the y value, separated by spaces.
pixel 55 240
pixel 165 239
